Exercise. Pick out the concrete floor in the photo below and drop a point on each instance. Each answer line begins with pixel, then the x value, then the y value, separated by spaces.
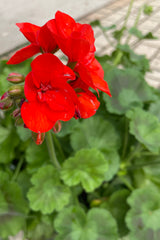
pixel 37 12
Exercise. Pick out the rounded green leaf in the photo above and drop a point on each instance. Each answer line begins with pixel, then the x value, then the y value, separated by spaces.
pixel 155 109
pixel 128 89
pixel 48 193
pixel 13 209
pixel 146 128
pixel 87 167
pixel 95 132
pixel 74 224
pixel 144 215
pixel 36 156
pixel 40 228
pixel 113 160
pixel 117 205
pixel 23 133
pixel 4 132
pixel 7 147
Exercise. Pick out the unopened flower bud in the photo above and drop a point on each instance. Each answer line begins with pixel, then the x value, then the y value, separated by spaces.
pixel 19 121
pixel 16 91
pixel 5 102
pixel 16 78
pixel 16 113
pixel 57 127
pixel 38 138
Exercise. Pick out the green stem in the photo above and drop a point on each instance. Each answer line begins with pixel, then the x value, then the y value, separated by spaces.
pixel 136 23
pixel 143 165
pixel 128 13
pixel 58 145
pixel 108 39
pixel 51 150
pixel 18 168
pixel 138 149
pixel 125 139
pixel 127 184
pixel 118 58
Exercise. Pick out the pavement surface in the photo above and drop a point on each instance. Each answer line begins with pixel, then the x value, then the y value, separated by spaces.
pixel 107 11
pixel 114 13
pixel 37 12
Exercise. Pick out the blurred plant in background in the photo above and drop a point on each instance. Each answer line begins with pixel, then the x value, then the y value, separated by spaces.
pixel 109 181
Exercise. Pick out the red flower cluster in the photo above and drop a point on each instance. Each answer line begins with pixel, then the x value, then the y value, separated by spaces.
pixel 53 90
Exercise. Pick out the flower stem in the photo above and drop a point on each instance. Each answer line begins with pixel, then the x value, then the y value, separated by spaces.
pixel 18 168
pixel 128 13
pixel 125 139
pixel 51 150
pixel 136 22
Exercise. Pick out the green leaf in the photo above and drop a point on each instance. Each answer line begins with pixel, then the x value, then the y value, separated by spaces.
pixel 48 193
pixel 118 207
pixel 23 133
pixel 146 129
pixel 23 179
pixel 7 147
pixel 148 9
pixel 143 217
pixel 4 177
pixel 36 156
pixel 97 23
pixel 155 109
pixel 97 133
pixel 119 33
pixel 151 168
pixel 13 209
pixel 87 167
pixel 134 31
pixel 128 89
pixel 74 224
pixel 132 60
pixel 4 132
pixel 113 160
pixel 67 127
pixel 40 228
pixel 149 35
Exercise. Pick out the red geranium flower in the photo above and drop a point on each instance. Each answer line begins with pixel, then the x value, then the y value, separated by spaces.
pixel 50 97
pixel 92 75
pixel 41 39
pixel 74 39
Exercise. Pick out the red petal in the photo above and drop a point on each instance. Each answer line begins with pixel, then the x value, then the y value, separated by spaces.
pixel 87 33
pixel 29 30
pixel 88 104
pixel 46 39
pixel 95 66
pixel 60 103
pixel 48 69
pixel 84 75
pixel 35 118
pixel 100 83
pixel 65 24
pixel 23 54
pixel 75 48
pixel 30 89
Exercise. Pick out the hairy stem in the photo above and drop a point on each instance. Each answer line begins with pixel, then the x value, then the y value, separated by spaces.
pixel 125 139
pixel 18 168
pixel 136 22
pixel 51 150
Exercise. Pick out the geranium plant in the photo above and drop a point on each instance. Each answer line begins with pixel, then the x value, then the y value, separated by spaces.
pixel 79 164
